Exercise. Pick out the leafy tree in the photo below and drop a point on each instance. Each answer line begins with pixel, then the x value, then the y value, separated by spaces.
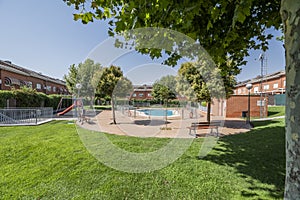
pixel 194 85
pixel 162 92
pixel 169 81
pixel 71 78
pixel 123 88
pixel 226 29
pixel 84 74
pixel 113 84
pixel 218 25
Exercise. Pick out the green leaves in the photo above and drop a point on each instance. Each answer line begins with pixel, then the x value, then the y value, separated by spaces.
pixel 226 29
pixel 162 92
pixel 83 73
pixel 85 17
pixel 112 82
pixel 242 11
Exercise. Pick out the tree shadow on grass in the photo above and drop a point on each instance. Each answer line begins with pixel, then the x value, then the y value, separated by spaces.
pixel 264 123
pixel 273 113
pixel 259 154
pixel 153 122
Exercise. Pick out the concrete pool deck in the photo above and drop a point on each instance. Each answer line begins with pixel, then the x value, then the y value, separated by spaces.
pixel 152 127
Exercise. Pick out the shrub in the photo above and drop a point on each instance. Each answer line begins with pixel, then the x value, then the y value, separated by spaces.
pixel 4 96
pixel 27 97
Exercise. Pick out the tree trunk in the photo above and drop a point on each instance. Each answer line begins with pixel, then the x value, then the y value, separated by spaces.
pixel 166 117
pixel 208 111
pixel 113 110
pixel 290 14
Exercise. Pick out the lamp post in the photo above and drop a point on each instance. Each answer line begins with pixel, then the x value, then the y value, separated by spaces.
pixel 78 87
pixel 248 86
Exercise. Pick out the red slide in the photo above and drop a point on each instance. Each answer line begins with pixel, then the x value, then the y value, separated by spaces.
pixel 66 110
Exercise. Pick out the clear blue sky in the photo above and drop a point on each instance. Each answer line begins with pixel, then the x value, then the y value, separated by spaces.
pixel 42 36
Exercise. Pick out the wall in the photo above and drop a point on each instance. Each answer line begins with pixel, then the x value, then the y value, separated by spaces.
pixel 218 107
pixel 34 81
pixel 138 97
pixel 280 81
pixel 238 103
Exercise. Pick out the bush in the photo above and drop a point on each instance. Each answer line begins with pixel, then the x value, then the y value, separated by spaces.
pixel 4 96
pixel 53 101
pixel 27 97
pixel 203 103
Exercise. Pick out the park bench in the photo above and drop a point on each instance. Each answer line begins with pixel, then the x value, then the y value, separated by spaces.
pixel 204 125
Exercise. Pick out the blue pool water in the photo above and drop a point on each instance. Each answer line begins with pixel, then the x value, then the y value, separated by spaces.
pixel 157 112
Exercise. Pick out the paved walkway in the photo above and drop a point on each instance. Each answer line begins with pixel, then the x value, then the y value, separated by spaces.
pixel 156 127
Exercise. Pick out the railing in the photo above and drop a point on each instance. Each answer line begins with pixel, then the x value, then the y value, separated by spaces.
pixel 25 116
pixel 203 108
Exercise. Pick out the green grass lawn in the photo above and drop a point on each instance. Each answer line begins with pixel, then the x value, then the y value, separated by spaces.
pixel 51 162
pixel 275 111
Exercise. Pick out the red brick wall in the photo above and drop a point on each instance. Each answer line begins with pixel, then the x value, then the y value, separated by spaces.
pixel 34 81
pixel 138 97
pixel 279 80
pixel 238 103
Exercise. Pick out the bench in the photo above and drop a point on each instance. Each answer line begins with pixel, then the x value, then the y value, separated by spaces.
pixel 204 125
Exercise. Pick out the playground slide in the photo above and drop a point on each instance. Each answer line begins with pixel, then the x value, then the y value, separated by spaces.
pixel 66 110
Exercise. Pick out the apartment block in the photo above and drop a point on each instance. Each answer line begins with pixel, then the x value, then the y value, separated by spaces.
pixel 270 84
pixel 13 76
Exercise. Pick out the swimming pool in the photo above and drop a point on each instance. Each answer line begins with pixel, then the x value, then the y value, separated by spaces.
pixel 157 112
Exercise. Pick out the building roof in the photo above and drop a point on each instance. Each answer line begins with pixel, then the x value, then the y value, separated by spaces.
pixel 145 87
pixel 265 78
pixel 9 66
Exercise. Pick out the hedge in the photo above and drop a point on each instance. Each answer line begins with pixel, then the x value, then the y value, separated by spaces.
pixel 29 98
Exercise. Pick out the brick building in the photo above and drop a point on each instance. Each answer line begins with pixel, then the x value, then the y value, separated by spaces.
pixel 271 84
pixel 269 89
pixel 13 76
pixel 141 92
pixel 234 106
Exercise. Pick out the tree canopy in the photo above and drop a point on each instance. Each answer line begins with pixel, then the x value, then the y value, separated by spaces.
pixel 169 81
pixel 83 74
pixel 217 25
pixel 114 84
pixel 162 92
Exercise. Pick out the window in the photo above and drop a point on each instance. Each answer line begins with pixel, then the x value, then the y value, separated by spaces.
pixel 7 81
pixel 29 84
pixel 149 95
pixel 284 83
pixel 134 95
pixel 255 89
pixel 49 88
pixel 266 87
pixel 22 83
pixel 141 94
pixel 239 91
pixel 54 89
pixel 38 86
pixel 275 85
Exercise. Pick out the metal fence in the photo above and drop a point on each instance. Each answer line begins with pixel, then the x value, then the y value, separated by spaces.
pixel 280 99
pixel 25 116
